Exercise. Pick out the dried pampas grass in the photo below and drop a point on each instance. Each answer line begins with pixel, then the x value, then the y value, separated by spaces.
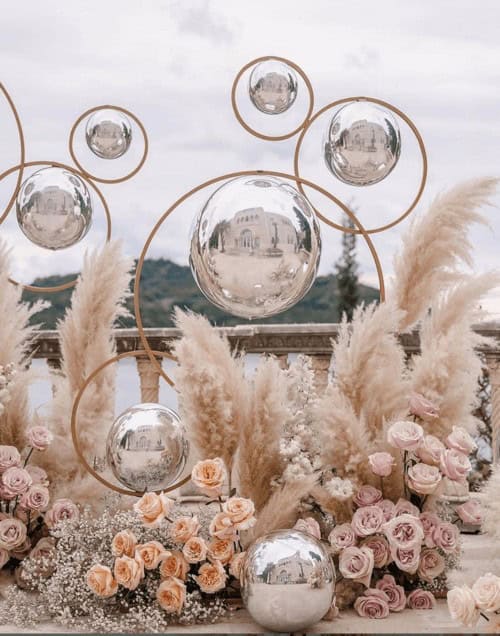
pixel 434 245
pixel 86 342
pixel 491 504
pixel 212 388
pixel 16 336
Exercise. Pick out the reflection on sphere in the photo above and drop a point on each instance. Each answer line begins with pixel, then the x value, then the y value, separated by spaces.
pixel 108 133
pixel 272 87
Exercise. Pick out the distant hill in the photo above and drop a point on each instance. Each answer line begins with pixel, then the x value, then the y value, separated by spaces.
pixel 166 284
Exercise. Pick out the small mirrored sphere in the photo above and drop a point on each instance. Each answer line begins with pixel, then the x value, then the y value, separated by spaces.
pixel 287 581
pixel 272 87
pixel 108 133
pixel 54 208
pixel 363 143
pixel 255 247
pixel 147 447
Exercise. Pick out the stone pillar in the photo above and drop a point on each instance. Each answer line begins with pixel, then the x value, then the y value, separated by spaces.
pixel 320 363
pixel 54 365
pixel 494 371
pixel 149 379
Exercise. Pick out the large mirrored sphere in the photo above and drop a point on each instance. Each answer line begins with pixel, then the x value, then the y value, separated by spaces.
pixel 287 581
pixel 255 247
pixel 147 447
pixel 272 87
pixel 108 133
pixel 54 208
pixel 363 143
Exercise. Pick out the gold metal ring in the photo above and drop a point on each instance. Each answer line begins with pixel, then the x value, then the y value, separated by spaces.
pixel 232 175
pixel 22 153
pixel 56 164
pixel 74 422
pixel 414 130
pixel 90 175
pixel 237 113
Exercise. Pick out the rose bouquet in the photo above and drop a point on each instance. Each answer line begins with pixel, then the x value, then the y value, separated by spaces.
pixel 468 604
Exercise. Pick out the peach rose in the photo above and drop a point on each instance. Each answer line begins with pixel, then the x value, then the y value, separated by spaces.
pixel 430 521
pixel 236 564
pixel 309 526
pixel 423 479
pixel 381 464
pixel 61 510
pixel 13 533
pixel 183 528
pixel 220 550
pixel 357 563
pixel 431 565
pixel 240 511
pixel 421 407
pixel 171 595
pixel 222 527
pixel 462 606
pixel 100 580
pixel 396 597
pixel 407 559
pixel 470 512
pixel 38 475
pixel 39 437
pixel 37 498
pixel 342 537
pixel 388 509
pixel 405 507
pixel 403 532
pixel 380 548
pixel 4 557
pixel 15 482
pixel 9 457
pixel 195 550
pixel 405 435
pixel 421 599
pixel 150 554
pixel 372 604
pixel 174 564
pixel 367 520
pixel 124 543
pixel 460 440
pixel 152 509
pixel 211 577
pixel 486 591
pixel 209 476
pixel 128 572
pixel 447 537
pixel 367 496
pixel 455 465
pixel 430 450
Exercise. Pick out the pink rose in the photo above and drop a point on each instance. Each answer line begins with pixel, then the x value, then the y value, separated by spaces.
pixel 357 564
pixel 309 526
pixel 35 498
pixel 342 537
pixel 424 479
pixel 446 536
pixel 421 599
pixel 470 512
pixel 429 521
pixel 430 450
pixel 421 407
pixel 380 548
pixel 39 437
pixel 395 593
pixel 388 509
pixel 404 532
pixel 431 565
pixel 407 559
pixel 405 435
pixel 372 604
pixel 381 464
pixel 38 475
pixel 61 510
pixel 9 457
pixel 13 533
pixel 462 606
pixel 367 496
pixel 460 440
pixel 486 591
pixel 367 520
pixel 405 507
pixel 455 465
pixel 4 557
pixel 15 482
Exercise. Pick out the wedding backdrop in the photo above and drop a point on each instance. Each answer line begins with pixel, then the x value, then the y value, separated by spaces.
pixel 314 491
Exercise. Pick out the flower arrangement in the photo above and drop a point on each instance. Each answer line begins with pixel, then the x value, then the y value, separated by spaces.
pixel 467 604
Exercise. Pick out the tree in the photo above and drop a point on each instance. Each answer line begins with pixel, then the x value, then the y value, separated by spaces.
pixel 346 269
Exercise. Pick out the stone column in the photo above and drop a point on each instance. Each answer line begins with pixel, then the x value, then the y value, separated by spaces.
pixel 494 371
pixel 54 365
pixel 149 379
pixel 320 363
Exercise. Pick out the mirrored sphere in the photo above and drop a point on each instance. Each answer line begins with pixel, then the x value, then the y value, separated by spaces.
pixel 363 143
pixel 255 247
pixel 272 87
pixel 108 133
pixel 287 581
pixel 54 208
pixel 147 447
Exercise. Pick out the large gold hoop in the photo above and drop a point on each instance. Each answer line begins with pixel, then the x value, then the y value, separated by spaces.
pixel 22 154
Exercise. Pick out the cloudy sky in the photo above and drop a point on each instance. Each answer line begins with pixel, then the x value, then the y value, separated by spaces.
pixel 173 62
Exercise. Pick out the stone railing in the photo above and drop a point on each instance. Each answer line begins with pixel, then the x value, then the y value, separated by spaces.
pixel 313 340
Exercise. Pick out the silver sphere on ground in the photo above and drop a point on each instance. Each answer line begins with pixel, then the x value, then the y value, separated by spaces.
pixel 287 581
pixel 147 447
pixel 255 247
pixel 363 143
pixel 54 208
pixel 108 133
pixel 272 87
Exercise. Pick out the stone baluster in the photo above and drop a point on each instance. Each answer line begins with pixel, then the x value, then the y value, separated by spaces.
pixel 494 371
pixel 54 365
pixel 320 363
pixel 149 378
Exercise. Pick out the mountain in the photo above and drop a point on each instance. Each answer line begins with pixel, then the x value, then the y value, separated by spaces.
pixel 166 284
